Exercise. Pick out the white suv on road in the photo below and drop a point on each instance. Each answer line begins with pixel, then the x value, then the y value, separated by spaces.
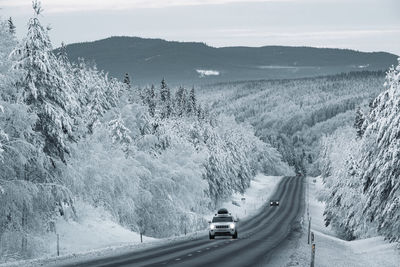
pixel 223 224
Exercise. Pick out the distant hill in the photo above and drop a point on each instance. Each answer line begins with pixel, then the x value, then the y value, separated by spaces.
pixel 149 60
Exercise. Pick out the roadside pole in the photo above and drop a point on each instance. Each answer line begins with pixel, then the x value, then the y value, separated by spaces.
pixel 58 245
pixel 312 255
pixel 309 230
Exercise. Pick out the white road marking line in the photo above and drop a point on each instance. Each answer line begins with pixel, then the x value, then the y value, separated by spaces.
pixel 207 248
pixel 178 259
pixel 199 251
pixel 189 255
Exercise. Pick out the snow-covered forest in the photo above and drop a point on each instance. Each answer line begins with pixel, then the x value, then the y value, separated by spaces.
pixel 360 168
pixel 293 115
pixel 73 137
pixel 342 127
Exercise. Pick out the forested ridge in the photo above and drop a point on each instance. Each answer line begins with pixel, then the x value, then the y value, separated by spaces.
pixel 293 115
pixel 72 137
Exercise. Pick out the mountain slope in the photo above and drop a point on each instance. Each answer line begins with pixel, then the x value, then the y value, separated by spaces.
pixel 148 60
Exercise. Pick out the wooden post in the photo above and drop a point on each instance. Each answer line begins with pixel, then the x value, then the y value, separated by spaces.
pixel 312 255
pixel 141 237
pixel 309 229
pixel 312 237
pixel 58 245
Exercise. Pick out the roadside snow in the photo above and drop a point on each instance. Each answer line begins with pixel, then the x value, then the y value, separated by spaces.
pixel 261 188
pixel 91 234
pixel 96 235
pixel 330 250
pixel 94 230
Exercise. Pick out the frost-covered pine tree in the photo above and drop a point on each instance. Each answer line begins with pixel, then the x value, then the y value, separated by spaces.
pixel 127 81
pixel 44 88
pixel 62 53
pixel 11 26
pixel 180 101
pixel 359 122
pixel 200 113
pixel 8 76
pixel 3 137
pixel 120 133
pixel 380 161
pixel 192 102
pixel 165 100
pixel 152 101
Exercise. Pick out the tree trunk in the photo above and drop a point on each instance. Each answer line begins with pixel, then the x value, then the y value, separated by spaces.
pixel 24 243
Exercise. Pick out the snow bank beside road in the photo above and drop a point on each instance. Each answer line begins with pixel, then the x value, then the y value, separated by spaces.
pixel 330 250
pixel 96 235
pixel 95 229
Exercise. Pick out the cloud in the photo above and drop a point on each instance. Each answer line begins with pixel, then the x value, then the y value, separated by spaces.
pixel 80 5
pixel 333 34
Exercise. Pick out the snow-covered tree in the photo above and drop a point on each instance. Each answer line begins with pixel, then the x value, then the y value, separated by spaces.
pixel 150 100
pixel 127 80
pixel 44 88
pixel 11 26
pixel 97 93
pixel 359 122
pixel 3 136
pixel 342 187
pixel 120 133
pixel 380 160
pixel 165 100
pixel 8 92
pixel 180 101
pixel 192 102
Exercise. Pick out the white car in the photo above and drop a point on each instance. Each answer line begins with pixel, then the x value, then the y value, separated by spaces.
pixel 223 224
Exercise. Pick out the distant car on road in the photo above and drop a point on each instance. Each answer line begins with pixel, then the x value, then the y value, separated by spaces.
pixel 223 224
pixel 274 203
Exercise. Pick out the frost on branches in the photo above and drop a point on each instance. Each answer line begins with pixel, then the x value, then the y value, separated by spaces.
pixel 380 161
pixel 186 159
pixel 45 88
pixel 361 169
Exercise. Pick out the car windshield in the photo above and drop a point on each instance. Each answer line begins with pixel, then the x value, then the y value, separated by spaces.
pixel 222 219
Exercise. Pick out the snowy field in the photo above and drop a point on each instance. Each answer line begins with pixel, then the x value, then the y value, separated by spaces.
pixel 332 251
pixel 95 234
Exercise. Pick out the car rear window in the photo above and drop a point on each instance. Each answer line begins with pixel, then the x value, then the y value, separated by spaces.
pixel 222 219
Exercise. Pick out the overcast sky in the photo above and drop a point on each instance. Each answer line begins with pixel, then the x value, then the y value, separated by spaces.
pixel 366 25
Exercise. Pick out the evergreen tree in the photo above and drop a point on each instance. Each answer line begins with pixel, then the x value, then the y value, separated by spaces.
pixel 127 80
pixel 11 26
pixel 200 113
pixel 192 103
pixel 152 101
pixel 359 123
pixel 180 101
pixel 62 53
pixel 45 90
pixel 380 159
pixel 120 134
pixel 165 100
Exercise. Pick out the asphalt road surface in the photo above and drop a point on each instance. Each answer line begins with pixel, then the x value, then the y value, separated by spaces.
pixel 258 238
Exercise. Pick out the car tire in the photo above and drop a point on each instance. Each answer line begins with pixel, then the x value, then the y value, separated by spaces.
pixel 211 236
pixel 235 235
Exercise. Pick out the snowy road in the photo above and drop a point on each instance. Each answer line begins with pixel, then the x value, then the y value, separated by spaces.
pixel 258 238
